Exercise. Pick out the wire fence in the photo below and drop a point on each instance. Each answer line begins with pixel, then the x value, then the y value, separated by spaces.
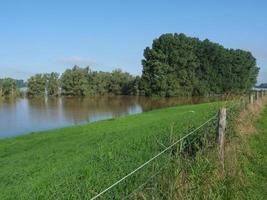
pixel 153 158
pixel 189 144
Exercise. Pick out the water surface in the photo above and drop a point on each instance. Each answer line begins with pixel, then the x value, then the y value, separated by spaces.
pixel 21 116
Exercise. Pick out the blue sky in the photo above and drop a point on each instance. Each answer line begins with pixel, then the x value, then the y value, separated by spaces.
pixel 46 36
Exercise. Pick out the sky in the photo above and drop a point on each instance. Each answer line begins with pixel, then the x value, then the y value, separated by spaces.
pixel 52 35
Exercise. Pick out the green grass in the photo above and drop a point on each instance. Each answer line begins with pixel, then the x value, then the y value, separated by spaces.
pixel 78 162
pixel 254 162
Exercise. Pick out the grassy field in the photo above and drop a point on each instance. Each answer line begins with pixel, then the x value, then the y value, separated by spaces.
pixel 252 158
pixel 78 162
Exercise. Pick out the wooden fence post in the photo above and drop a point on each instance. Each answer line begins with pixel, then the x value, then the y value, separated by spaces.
pixel 251 98
pixel 221 134
pixel 243 102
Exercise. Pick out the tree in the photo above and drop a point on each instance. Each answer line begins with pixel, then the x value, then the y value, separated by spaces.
pixel 52 84
pixel 99 82
pixel 119 82
pixel 180 65
pixel 75 82
pixel 131 87
pixel 37 85
pixel 8 87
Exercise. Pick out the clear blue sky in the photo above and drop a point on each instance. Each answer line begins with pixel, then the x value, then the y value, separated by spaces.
pixel 46 36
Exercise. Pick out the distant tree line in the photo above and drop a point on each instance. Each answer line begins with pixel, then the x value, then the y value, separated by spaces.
pixel 175 65
pixel 83 82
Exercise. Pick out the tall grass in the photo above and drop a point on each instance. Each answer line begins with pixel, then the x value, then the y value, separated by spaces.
pixel 198 174
pixel 194 171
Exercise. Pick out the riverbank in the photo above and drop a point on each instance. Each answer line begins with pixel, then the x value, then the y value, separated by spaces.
pixel 78 162
pixel 247 156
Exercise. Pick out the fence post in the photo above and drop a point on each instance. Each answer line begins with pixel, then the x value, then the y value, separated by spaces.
pixel 251 98
pixel 221 134
pixel 243 103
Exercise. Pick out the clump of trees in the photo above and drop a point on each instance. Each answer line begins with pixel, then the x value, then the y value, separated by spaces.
pixel 8 88
pixel 37 85
pixel 43 84
pixel 177 65
pixel 83 82
pixel 52 84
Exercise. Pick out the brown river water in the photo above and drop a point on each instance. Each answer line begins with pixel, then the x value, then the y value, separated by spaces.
pixel 20 116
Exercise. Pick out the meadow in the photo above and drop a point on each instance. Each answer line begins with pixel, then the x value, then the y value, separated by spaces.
pixel 80 161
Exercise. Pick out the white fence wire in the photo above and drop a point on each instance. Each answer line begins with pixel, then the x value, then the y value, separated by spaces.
pixel 151 159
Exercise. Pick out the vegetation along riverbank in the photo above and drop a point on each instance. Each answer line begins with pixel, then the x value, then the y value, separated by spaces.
pixel 174 65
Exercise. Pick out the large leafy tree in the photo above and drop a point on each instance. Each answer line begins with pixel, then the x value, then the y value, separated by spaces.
pixel 180 65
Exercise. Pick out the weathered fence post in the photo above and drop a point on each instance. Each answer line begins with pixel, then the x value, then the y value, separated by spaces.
pixel 221 134
pixel 251 98
pixel 243 102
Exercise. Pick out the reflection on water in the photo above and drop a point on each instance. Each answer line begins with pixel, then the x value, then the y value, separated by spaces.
pixel 22 116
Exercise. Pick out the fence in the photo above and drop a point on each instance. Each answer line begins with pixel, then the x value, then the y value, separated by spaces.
pixel 187 144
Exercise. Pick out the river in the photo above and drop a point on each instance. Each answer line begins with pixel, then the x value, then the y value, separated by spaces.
pixel 20 116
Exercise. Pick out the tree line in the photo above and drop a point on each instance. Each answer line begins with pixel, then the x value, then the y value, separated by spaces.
pixel 175 65
pixel 80 81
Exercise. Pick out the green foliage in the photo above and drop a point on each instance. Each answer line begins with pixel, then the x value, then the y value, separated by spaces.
pixel 8 87
pixel 175 65
pixel 99 82
pixel 180 65
pixel 119 82
pixel 52 84
pixel 74 82
pixel 36 85
pixel 82 81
